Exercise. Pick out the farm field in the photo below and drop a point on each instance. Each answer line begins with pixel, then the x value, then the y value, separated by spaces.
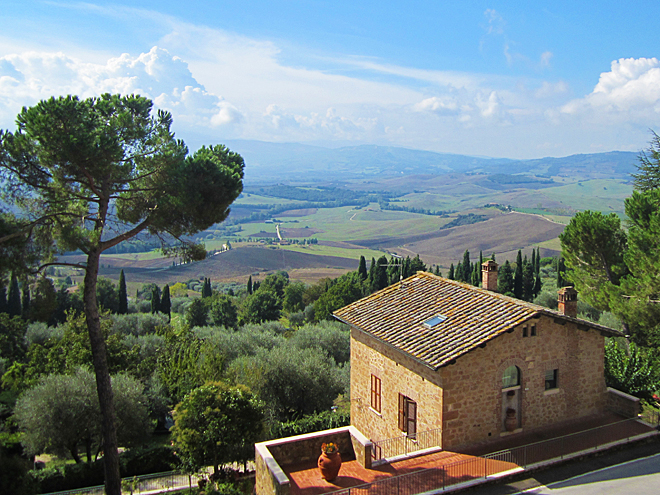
pixel 600 195
pixel 344 233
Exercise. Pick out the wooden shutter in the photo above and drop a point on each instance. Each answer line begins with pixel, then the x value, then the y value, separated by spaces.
pixel 375 393
pixel 402 413
pixel 411 413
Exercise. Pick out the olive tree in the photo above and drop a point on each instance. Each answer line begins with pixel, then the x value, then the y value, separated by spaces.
pixel 89 174
pixel 215 424
pixel 61 414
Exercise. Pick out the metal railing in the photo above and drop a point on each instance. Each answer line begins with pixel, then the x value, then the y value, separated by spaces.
pixel 143 484
pixel 651 416
pixel 406 444
pixel 483 467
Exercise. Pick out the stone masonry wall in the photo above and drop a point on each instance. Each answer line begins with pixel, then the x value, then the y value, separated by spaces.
pixel 473 409
pixel 622 403
pixel 308 447
pixel 399 374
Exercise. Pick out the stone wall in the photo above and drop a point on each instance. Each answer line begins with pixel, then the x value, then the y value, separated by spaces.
pixel 621 403
pixel 398 374
pixel 303 448
pixel 271 456
pixel 473 397
pixel 466 400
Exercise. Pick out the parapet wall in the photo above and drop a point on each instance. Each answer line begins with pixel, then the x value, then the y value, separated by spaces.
pixel 621 403
pixel 272 456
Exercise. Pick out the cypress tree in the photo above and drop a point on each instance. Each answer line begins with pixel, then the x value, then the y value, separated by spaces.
pixel 166 303
pixel 451 275
pixel 533 260
pixel 518 277
pixel 25 302
pixel 123 296
pixel 14 298
pixel 249 285
pixel 380 281
pixel 467 267
pixel 505 279
pixel 3 299
pixel 561 270
pixel 476 275
pixel 362 268
pixel 458 273
pixel 155 300
pixel 538 285
pixel 528 280
pixel 372 273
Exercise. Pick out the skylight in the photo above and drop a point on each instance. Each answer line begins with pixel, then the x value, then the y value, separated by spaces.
pixel 430 323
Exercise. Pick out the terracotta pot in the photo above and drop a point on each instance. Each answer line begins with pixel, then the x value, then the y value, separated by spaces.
pixel 511 422
pixel 329 465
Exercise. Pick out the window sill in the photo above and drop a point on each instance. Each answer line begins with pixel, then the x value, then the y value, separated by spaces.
pixel 552 391
pixel 375 412
pixel 507 433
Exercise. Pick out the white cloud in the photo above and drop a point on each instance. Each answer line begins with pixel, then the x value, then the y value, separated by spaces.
pixel 629 91
pixel 440 106
pixel 29 77
pixel 495 22
pixel 545 59
pixel 548 89
pixel 325 125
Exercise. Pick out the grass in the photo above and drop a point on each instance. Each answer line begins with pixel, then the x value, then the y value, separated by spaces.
pixel 255 199
pixel 147 256
pixel 599 195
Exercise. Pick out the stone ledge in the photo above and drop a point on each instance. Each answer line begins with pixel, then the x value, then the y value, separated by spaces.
pixel 271 455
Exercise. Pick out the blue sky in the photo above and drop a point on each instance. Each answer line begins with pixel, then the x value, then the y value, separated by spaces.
pixel 507 79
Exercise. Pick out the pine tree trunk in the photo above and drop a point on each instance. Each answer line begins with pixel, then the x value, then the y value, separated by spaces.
pixel 103 386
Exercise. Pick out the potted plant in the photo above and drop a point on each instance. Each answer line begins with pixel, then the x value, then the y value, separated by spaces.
pixel 511 422
pixel 330 461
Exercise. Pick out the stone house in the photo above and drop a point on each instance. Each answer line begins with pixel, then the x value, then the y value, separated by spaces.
pixel 430 353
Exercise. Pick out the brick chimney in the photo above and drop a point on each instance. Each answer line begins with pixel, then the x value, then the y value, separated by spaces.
pixel 568 301
pixel 489 275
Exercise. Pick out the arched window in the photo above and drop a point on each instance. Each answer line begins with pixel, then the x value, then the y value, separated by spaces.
pixel 511 377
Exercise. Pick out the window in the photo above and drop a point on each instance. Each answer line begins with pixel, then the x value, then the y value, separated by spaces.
pixel 436 320
pixel 375 393
pixel 533 331
pixel 525 331
pixel 511 377
pixel 550 379
pixel 407 415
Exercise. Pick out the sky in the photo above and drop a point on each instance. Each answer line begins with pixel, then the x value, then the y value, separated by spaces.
pixel 513 79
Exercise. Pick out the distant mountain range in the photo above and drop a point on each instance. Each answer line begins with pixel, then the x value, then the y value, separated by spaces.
pixel 281 162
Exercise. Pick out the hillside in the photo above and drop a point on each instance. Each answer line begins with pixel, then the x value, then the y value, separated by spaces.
pixel 268 162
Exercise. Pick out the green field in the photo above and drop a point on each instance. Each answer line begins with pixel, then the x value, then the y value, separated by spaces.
pixel 255 199
pixel 599 195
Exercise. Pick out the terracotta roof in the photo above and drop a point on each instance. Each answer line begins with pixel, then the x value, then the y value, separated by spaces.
pixel 472 316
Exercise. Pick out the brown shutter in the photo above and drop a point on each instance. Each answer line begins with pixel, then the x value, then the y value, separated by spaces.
pixel 378 394
pixel 412 418
pixel 402 412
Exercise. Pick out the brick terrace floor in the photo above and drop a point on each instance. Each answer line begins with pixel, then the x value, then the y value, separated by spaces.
pixel 306 480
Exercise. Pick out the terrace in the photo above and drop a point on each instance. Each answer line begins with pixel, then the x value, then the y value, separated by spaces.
pixel 403 466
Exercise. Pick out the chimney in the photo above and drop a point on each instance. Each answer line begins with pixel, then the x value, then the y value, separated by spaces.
pixel 489 275
pixel 568 301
